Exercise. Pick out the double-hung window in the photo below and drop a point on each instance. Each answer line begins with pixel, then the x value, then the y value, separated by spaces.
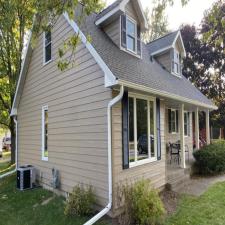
pixel 176 63
pixel 45 133
pixel 173 121
pixel 142 130
pixel 47 46
pixel 131 35
pixel 186 124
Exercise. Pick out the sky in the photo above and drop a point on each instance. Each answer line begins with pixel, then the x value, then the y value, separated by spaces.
pixel 177 15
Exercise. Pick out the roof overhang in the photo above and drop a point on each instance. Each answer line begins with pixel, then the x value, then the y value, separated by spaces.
pixel 178 39
pixel 165 94
pixel 120 9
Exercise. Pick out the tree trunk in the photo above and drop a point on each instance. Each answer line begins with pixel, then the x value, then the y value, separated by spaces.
pixel 13 143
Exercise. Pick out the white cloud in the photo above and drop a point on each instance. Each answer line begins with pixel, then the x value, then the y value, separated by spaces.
pixel 191 14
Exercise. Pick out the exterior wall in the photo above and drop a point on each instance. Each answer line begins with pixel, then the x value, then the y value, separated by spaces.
pixel 130 11
pixel 155 171
pixel 165 60
pixel 113 31
pixel 77 106
pixel 176 137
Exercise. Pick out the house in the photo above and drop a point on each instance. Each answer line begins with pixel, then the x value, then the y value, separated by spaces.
pixel 108 119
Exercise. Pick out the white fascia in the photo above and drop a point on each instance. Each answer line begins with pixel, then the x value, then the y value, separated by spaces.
pixel 121 7
pixel 166 94
pixel 181 40
pixel 110 79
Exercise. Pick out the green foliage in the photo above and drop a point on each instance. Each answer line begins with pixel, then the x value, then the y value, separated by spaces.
pixel 142 205
pixel 206 209
pixel 80 201
pixel 157 19
pixel 210 159
pixel 204 64
pixel 33 212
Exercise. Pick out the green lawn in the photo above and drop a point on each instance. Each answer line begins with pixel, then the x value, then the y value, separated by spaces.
pixel 208 209
pixel 25 208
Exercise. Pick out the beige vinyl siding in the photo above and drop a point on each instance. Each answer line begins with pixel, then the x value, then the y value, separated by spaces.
pixel 130 11
pixel 165 60
pixel 77 106
pixel 155 171
pixel 113 31
pixel 172 138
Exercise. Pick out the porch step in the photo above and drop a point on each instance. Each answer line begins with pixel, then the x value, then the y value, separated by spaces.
pixel 178 178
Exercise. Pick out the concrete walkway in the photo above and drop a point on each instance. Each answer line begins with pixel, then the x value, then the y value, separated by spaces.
pixel 197 186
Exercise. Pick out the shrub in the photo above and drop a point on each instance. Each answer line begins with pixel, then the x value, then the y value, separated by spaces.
pixel 80 201
pixel 142 205
pixel 210 159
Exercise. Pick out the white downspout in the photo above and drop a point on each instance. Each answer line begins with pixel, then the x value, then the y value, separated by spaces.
pixel 109 206
pixel 16 158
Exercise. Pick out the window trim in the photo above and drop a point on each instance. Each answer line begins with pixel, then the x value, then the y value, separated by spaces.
pixel 149 159
pixel 125 49
pixel 44 49
pixel 135 35
pixel 188 124
pixel 174 61
pixel 176 131
pixel 44 158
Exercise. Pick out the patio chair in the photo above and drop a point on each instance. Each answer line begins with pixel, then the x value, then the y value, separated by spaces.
pixel 174 151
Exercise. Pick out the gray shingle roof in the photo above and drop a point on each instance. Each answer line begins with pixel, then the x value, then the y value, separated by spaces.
pixel 162 42
pixel 139 71
pixel 108 9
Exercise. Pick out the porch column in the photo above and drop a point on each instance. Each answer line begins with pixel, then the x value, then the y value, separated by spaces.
pixel 182 141
pixel 196 128
pixel 207 127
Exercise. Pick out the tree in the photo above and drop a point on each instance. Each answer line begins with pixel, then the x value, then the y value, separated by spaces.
pixel 204 64
pixel 157 19
pixel 16 18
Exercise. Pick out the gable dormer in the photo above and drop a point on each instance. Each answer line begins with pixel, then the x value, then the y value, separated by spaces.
pixel 169 51
pixel 123 22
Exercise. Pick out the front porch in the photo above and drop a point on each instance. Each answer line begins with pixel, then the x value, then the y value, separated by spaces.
pixel 182 138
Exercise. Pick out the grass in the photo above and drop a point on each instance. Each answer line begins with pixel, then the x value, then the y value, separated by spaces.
pixel 207 209
pixel 25 208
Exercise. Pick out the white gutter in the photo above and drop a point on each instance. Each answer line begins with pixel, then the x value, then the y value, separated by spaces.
pixel 166 94
pixel 109 206
pixel 16 158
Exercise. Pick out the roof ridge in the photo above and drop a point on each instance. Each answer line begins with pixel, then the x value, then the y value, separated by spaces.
pixel 163 36
pixel 111 5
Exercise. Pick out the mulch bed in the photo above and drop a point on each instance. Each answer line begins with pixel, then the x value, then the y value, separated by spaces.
pixel 170 200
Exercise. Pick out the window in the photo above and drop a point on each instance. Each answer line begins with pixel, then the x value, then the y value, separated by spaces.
pixel 47 47
pixel 131 35
pixel 186 123
pixel 45 133
pixel 142 130
pixel 176 65
pixel 173 121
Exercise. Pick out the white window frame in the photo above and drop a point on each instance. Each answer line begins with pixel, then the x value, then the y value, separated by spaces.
pixel 44 158
pixel 135 36
pixel 149 159
pixel 176 61
pixel 176 131
pixel 44 49
pixel 188 124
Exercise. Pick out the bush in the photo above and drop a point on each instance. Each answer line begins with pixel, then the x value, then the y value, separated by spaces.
pixel 142 205
pixel 210 160
pixel 80 201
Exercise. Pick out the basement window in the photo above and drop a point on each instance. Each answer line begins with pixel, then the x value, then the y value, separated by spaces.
pixel 45 133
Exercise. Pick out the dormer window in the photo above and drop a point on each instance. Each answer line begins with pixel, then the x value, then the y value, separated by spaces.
pixel 130 35
pixel 176 63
